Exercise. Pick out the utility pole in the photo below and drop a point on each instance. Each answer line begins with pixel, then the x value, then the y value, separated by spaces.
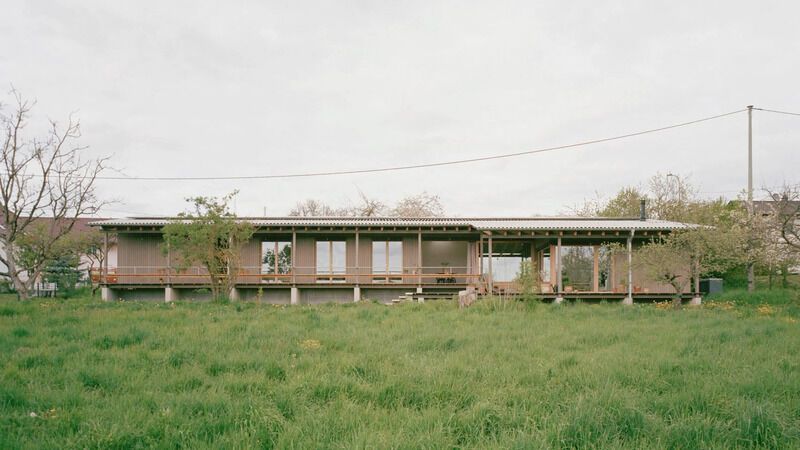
pixel 678 188
pixel 751 278
pixel 750 158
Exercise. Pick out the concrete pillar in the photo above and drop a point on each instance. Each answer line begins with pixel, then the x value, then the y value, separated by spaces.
pixel 696 301
pixel 559 300
pixel 235 295
pixel 170 294
pixel 295 296
pixel 357 294
pixel 627 300
pixel 108 294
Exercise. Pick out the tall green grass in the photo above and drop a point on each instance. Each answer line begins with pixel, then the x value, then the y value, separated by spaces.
pixel 243 375
pixel 760 296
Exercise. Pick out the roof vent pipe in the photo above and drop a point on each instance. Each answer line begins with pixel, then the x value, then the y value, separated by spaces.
pixel 642 209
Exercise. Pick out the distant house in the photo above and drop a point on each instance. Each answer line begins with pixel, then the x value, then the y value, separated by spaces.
pixel 81 226
pixel 321 259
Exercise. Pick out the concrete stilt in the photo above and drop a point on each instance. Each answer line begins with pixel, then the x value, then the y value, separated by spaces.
pixel 356 294
pixel 420 299
pixel 696 301
pixel 627 300
pixel 558 300
pixel 295 296
pixel 170 294
pixel 235 295
pixel 108 294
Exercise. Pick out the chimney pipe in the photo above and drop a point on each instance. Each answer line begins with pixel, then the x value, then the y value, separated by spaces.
pixel 643 209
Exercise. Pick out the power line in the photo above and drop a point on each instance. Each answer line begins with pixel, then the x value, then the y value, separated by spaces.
pixel 778 112
pixel 427 165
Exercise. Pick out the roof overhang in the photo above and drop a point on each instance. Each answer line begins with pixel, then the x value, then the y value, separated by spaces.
pixel 527 226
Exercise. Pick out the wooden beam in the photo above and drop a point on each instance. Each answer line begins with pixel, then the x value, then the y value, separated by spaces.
pixel 596 269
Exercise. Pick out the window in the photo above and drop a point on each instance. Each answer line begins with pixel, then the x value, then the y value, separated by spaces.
pixel 577 267
pixel 331 257
pixel 545 266
pixel 604 268
pixel 387 257
pixel 276 257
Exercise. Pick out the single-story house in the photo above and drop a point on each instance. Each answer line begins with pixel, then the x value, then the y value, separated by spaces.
pixel 303 260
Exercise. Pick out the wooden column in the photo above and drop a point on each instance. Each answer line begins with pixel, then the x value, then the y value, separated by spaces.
pixel 491 271
pixel 596 270
pixel 560 281
pixel 169 265
pixel 104 269
pixel 630 265
pixel 419 259
pixel 480 255
pixel 294 252
pixel 358 271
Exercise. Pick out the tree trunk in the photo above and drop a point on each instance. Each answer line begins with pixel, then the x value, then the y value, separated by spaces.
pixel 751 277
pixel 770 278
pixel 22 289
pixel 676 299
pixel 785 276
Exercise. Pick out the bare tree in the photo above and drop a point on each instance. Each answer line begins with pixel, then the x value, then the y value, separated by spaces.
pixel 785 210
pixel 313 208
pixel 41 178
pixel 419 205
pixel 366 206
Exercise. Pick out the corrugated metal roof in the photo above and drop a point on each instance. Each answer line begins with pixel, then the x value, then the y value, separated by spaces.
pixel 479 223
pixel 575 224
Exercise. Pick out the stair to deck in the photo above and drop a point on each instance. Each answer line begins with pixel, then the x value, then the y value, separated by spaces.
pixel 430 295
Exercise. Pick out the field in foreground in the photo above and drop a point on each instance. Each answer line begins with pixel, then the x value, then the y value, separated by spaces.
pixel 83 373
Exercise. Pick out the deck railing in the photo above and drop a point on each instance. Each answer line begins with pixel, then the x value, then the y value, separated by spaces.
pixel 252 275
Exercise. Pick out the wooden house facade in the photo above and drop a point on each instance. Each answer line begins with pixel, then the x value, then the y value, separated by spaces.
pixel 300 260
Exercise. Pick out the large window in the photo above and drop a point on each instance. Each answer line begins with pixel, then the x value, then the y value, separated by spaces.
pixel 544 268
pixel 276 257
pixel 604 268
pixel 507 259
pixel 387 257
pixel 331 257
pixel 577 268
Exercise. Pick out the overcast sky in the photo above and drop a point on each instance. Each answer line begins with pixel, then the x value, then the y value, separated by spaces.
pixel 253 88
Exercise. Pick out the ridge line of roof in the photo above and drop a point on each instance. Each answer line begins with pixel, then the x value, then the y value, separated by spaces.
pixel 378 218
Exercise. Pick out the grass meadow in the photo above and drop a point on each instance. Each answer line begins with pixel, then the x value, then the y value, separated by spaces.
pixel 87 374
